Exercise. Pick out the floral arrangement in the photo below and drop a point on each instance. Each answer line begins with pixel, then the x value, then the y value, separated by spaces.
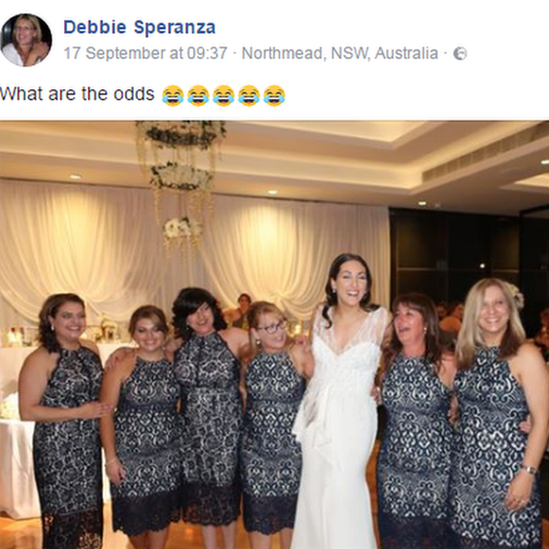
pixel 178 177
pixel 109 329
pixel 95 333
pixel 182 227
pixel 189 133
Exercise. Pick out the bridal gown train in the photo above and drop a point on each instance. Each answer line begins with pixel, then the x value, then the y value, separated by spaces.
pixel 336 425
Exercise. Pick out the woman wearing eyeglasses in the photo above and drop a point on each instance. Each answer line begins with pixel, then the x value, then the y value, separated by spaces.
pixel 26 48
pixel 270 455
pixel 337 420
pixel 207 367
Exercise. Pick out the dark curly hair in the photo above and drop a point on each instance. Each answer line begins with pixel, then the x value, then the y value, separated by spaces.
pixel 331 296
pixel 186 303
pixel 46 335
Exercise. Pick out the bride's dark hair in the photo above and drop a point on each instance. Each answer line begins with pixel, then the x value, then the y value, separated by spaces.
pixel 331 296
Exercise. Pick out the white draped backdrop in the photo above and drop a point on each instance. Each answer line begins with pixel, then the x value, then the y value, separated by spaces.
pixel 104 244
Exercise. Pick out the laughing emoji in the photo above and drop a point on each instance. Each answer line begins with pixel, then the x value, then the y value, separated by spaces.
pixel 198 96
pixel 274 96
pixel 172 96
pixel 223 96
pixel 248 96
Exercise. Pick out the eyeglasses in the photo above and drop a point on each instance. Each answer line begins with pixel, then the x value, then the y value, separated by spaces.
pixel 273 328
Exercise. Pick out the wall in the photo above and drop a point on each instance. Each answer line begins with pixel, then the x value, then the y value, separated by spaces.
pixel 534 264
pixel 443 254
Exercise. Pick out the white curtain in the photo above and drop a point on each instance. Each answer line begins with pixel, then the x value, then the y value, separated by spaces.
pixel 105 245
pixel 100 243
pixel 281 250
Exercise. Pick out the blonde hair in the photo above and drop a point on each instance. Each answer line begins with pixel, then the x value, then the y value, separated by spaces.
pixel 256 311
pixel 33 20
pixel 470 335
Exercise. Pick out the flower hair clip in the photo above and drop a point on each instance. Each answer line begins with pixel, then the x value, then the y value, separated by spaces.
pixel 517 296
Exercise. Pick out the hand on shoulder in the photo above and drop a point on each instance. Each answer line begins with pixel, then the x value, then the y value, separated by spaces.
pixel 238 341
pixel 37 53
pixel 121 354
pixel 90 345
pixel 302 356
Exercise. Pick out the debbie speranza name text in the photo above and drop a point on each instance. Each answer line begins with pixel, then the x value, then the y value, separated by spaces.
pixel 145 28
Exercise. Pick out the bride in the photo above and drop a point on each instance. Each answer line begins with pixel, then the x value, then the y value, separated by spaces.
pixel 337 421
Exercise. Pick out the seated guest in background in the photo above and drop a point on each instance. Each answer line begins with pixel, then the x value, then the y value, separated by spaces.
pixel 59 390
pixel 15 337
pixel 142 442
pixel 501 380
pixel 238 317
pixel 26 48
pixel 451 323
pixel 413 466
pixel 542 337
pixel 270 455
pixel 208 369
pixel 442 309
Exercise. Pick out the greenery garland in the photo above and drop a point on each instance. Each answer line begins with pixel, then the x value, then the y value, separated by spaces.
pixel 188 133
pixel 179 177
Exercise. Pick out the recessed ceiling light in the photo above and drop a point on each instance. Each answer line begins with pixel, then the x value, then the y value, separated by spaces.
pixel 272 192
pixel 75 176
pixel 422 203
pixel 545 162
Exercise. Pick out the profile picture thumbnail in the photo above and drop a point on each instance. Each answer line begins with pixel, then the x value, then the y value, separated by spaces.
pixel 26 40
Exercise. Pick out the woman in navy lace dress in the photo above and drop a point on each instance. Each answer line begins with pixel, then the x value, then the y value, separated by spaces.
pixel 494 488
pixel 59 390
pixel 142 441
pixel 413 467
pixel 207 367
pixel 270 455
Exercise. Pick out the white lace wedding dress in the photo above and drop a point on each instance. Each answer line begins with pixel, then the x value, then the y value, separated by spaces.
pixel 336 425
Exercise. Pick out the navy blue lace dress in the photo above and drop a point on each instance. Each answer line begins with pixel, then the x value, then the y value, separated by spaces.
pixel 488 453
pixel 67 457
pixel 270 454
pixel 211 416
pixel 148 440
pixel 413 467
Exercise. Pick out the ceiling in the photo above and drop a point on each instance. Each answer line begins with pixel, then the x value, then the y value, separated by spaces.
pixel 469 166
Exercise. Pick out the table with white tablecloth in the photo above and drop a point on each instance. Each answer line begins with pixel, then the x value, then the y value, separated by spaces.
pixel 18 495
pixel 11 360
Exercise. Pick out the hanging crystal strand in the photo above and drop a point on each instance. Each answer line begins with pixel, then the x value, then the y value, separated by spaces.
pixel 180 156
